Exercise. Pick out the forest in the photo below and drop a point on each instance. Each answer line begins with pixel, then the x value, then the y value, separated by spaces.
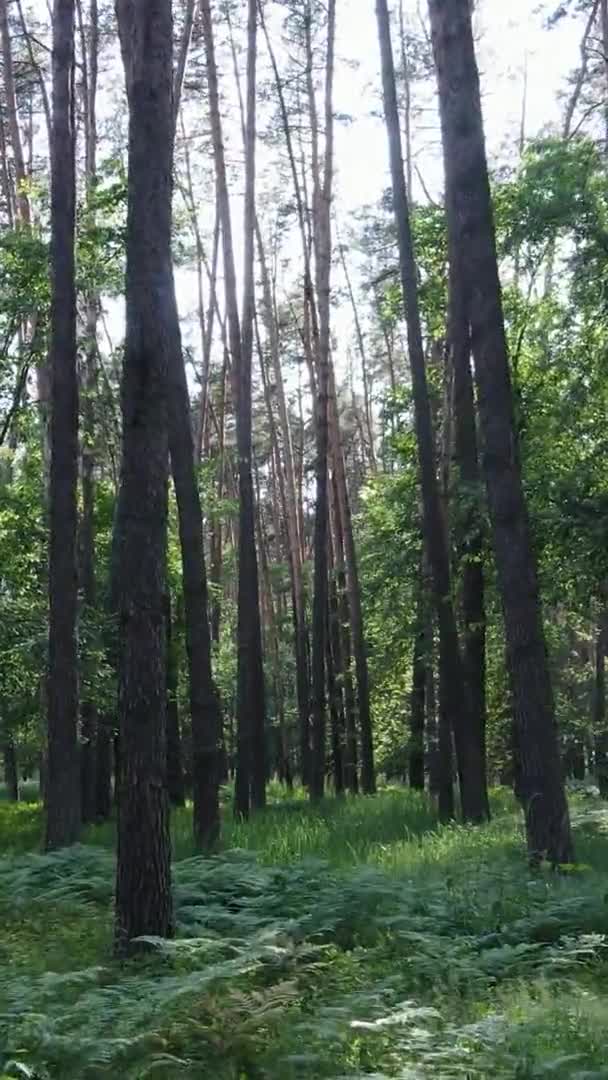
pixel 303 539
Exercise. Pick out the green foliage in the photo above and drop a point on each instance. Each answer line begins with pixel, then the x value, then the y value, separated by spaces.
pixel 401 949
pixel 389 546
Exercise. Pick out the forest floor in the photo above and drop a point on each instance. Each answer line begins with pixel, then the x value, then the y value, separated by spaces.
pixel 358 939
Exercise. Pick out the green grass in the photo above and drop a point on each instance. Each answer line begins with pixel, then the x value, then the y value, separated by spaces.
pixel 355 939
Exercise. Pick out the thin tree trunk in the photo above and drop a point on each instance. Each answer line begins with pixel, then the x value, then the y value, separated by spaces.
pixel 432 734
pixel 204 707
pixel 23 204
pixel 182 58
pixel 418 695
pixel 571 107
pixel 175 772
pixel 89 64
pixel 322 242
pixel 217 530
pixel 251 757
pixel 205 318
pixel 46 105
pixel 407 104
pixel 336 713
pixel 369 420
pixel 368 774
pixel 291 510
pixel 471 231
pixel 351 777
pixel 604 18
pixel 143 877
pixel 63 777
pixel 467 518
pixel 7 187
pixel 600 728
pixel 251 707
pixel 452 682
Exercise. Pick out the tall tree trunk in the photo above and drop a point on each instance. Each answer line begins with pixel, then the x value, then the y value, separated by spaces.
pixel 143 881
pixel 432 733
pixel 452 684
pixel 604 52
pixel 216 525
pixel 322 196
pixel 23 204
pixel 88 754
pixel 63 777
pixel 369 419
pixel 342 649
pixel 291 506
pixel 182 58
pixel 600 729
pixel 368 773
pixel 251 706
pixel 471 232
pixel 467 517
pixel 23 216
pixel 335 668
pixel 336 712
pixel 204 706
pixel 251 755
pixel 418 695
pixel 407 103
pixel 175 772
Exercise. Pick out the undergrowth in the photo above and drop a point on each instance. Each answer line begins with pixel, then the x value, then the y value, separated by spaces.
pixel 359 939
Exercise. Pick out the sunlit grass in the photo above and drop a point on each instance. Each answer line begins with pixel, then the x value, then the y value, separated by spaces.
pixel 334 915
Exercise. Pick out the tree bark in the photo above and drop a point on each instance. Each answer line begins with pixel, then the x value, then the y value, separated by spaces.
pixel 182 58
pixel 251 705
pixel 322 196
pixel 367 398
pixel 342 649
pixel 143 876
pixel 599 709
pixel 251 754
pixel 452 685
pixel 204 706
pixel 418 695
pixel 432 733
pixel 291 507
pixel 471 231
pixel 359 647
pixel 63 776
pixel 604 51
pixel 467 517
pixel 407 103
pixel 89 720
pixel 336 713
pixel 23 204
pixel 175 772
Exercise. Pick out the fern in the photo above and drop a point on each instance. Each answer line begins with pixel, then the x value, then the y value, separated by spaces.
pixel 456 964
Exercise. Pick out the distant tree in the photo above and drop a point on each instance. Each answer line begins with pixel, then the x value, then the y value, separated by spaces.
pixel 250 783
